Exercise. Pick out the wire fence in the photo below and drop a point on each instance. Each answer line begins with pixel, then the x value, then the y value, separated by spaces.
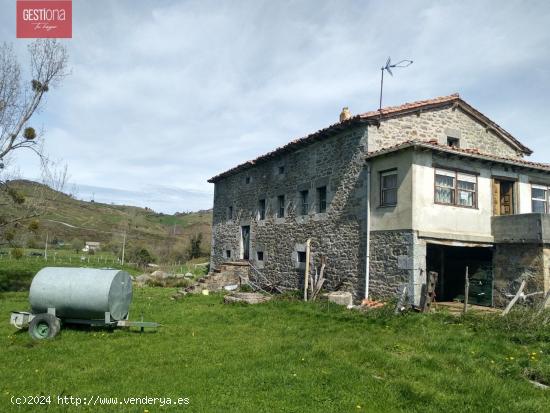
pixel 99 260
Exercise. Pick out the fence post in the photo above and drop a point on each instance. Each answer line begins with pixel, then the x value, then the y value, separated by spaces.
pixel 466 290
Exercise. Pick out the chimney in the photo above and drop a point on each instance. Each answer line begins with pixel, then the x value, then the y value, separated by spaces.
pixel 345 114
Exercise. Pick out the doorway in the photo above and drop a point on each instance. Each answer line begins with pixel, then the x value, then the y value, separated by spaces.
pixel 503 196
pixel 245 239
pixel 450 263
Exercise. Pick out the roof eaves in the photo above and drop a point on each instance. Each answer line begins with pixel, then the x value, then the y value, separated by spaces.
pixel 459 152
pixel 295 144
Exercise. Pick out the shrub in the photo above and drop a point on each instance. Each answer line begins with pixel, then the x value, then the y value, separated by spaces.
pixel 141 256
pixel 17 253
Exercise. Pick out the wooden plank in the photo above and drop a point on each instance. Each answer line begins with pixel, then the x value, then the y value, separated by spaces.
pixel 515 299
pixel 401 300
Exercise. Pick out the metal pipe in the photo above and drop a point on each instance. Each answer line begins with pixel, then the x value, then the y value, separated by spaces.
pixel 306 279
pixel 367 251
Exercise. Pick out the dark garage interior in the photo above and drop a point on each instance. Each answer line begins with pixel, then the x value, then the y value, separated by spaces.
pixel 450 263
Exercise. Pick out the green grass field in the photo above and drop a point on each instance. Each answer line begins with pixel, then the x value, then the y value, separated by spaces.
pixel 16 274
pixel 282 356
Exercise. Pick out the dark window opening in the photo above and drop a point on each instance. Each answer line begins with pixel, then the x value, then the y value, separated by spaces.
pixel 281 210
pixel 261 209
pixel 228 253
pixel 304 202
pixel 247 180
pixel 281 170
pixel 322 199
pixel 302 256
pixel 453 142
pixel 260 255
pixel 230 212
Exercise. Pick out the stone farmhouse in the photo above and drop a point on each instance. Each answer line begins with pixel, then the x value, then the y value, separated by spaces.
pixel 387 196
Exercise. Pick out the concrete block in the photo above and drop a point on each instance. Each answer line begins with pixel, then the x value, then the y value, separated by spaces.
pixel 340 298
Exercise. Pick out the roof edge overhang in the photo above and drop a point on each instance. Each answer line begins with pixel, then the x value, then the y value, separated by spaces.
pixel 296 144
pixel 459 153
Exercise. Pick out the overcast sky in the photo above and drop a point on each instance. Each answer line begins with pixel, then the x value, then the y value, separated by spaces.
pixel 165 94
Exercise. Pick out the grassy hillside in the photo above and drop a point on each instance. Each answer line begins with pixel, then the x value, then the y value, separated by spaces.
pixel 64 218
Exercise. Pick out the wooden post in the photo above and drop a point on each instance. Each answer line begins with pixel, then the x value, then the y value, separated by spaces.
pixel 46 248
pixel 306 277
pixel 466 290
pixel 544 302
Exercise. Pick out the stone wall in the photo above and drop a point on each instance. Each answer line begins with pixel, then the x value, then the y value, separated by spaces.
pixel 337 163
pixel 438 124
pixel 397 258
pixel 388 273
pixel 513 263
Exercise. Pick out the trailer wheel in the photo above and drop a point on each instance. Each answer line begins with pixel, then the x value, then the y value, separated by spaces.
pixel 44 326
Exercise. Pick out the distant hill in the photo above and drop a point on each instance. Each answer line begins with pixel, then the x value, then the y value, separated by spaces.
pixel 65 219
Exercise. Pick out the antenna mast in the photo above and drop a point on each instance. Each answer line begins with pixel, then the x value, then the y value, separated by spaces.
pixel 388 67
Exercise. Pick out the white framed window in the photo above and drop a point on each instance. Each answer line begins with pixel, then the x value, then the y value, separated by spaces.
pixel 455 188
pixel 445 187
pixel 539 198
pixel 466 190
pixel 388 188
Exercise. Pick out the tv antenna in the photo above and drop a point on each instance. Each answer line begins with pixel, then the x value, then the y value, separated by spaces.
pixel 388 67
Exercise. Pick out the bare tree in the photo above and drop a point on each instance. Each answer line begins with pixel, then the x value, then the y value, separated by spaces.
pixel 19 101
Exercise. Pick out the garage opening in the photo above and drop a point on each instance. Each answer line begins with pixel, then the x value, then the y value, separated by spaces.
pixel 450 263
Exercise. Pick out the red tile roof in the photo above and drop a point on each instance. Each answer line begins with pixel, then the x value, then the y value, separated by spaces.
pixel 374 118
pixel 472 153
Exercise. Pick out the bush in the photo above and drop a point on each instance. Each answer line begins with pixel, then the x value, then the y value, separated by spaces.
pixel 17 253
pixel 141 256
pixel 194 249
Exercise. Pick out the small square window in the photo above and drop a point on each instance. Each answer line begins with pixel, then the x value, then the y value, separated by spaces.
pixel 247 180
pixel 260 255
pixel 453 142
pixel 230 212
pixel 281 170
pixel 227 253
pixel 281 210
pixel 301 256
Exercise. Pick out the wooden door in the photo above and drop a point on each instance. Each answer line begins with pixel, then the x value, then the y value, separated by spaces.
pixel 496 197
pixel 506 198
